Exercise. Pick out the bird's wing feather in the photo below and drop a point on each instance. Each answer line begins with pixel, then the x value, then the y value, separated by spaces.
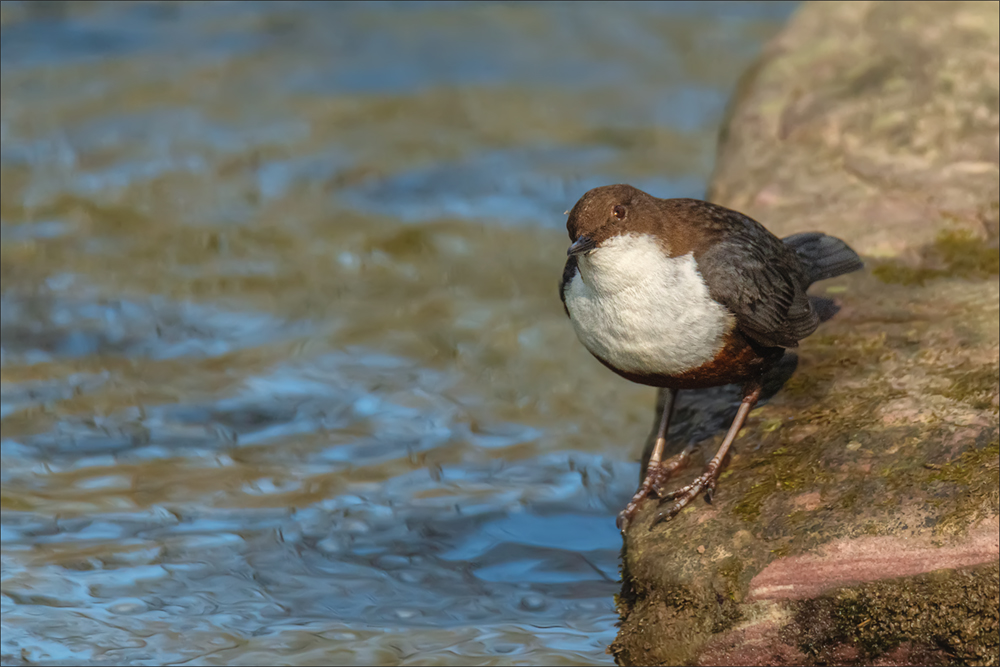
pixel 568 272
pixel 763 285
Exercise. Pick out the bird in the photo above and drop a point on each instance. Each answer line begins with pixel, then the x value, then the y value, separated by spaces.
pixel 686 294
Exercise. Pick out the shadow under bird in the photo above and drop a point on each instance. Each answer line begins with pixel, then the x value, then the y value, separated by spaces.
pixel 684 294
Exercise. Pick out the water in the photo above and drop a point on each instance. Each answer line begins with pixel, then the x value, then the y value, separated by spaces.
pixel 285 376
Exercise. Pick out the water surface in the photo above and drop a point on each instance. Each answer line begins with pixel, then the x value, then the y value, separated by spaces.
pixel 285 376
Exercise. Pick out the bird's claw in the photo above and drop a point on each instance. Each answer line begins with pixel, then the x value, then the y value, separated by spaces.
pixel 656 477
pixel 684 495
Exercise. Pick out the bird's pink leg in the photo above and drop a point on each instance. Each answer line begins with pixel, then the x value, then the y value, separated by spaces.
pixel 710 477
pixel 657 470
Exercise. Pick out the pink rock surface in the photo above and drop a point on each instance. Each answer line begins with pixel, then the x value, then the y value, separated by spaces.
pixel 853 561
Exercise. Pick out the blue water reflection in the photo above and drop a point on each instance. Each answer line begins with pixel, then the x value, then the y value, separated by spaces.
pixel 521 187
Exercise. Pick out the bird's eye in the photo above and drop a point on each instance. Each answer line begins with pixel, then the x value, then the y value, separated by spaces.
pixel 618 211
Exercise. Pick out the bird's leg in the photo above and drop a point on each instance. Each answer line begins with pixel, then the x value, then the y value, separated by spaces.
pixel 657 470
pixel 710 477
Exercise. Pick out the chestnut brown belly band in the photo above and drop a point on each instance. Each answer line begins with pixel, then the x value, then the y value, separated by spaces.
pixel 739 360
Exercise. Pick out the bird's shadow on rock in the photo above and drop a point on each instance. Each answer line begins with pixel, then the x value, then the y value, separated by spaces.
pixel 700 414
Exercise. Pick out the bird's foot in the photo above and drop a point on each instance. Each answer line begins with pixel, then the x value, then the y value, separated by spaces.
pixel 683 496
pixel 656 476
pixel 706 481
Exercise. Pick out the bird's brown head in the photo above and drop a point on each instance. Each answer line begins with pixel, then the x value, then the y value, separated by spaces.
pixel 609 211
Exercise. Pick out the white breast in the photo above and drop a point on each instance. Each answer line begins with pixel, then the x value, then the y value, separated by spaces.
pixel 642 311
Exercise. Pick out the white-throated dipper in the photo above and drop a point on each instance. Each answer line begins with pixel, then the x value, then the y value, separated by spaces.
pixel 684 294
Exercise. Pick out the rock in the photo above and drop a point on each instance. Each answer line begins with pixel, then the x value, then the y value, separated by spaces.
pixel 857 519
pixel 874 120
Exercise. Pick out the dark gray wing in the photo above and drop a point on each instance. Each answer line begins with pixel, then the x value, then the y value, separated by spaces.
pixel 568 272
pixel 763 284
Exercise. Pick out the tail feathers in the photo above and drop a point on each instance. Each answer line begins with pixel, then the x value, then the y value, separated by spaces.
pixel 823 307
pixel 823 256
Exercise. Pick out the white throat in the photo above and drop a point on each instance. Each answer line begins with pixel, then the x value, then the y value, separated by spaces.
pixel 645 312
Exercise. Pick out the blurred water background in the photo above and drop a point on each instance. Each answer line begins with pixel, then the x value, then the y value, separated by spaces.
pixel 285 375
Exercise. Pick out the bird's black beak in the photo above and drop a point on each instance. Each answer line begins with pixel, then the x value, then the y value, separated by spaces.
pixel 581 245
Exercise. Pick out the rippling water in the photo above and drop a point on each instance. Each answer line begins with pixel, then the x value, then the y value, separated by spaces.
pixel 285 376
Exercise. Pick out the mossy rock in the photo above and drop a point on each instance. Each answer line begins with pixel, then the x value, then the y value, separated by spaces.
pixel 856 520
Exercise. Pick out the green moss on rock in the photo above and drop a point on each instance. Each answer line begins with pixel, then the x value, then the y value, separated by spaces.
pixel 976 386
pixel 955 254
pixel 953 610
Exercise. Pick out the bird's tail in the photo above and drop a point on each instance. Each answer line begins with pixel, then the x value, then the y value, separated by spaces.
pixel 823 256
